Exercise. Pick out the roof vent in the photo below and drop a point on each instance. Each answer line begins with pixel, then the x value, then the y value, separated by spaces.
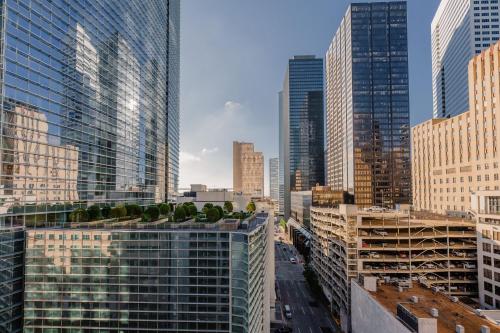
pixel 459 329
pixel 414 299
pixel 434 312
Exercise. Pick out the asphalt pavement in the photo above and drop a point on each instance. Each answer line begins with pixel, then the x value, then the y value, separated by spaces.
pixel 308 314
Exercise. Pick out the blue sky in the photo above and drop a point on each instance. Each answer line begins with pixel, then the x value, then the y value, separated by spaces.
pixel 233 59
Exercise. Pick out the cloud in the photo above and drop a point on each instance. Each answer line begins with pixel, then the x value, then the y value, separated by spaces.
pixel 231 107
pixel 206 151
pixel 188 157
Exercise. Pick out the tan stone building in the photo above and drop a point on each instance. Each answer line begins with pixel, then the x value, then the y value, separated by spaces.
pixel 248 169
pixel 452 158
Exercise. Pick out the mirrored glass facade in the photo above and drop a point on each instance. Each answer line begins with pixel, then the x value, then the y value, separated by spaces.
pixel 205 280
pixel 301 127
pixel 89 106
pixel 367 105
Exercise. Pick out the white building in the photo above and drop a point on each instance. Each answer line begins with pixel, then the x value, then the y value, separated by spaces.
pixel 460 29
pixel 486 205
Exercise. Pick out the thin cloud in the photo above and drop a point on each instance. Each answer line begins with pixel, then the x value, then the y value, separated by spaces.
pixel 186 157
pixel 206 151
pixel 231 107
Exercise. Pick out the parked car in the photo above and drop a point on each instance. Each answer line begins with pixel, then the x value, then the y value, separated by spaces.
pixel 293 261
pixel 288 312
pixel 469 265
pixel 380 232
pixel 374 255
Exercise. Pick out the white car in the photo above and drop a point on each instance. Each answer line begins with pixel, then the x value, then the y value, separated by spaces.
pixel 293 260
pixel 380 232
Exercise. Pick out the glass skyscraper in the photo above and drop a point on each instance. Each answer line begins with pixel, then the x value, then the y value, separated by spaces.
pixel 367 105
pixel 89 108
pixel 301 127
pixel 166 277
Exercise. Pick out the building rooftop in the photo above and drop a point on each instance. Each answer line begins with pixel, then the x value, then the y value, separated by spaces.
pixel 246 225
pixel 450 313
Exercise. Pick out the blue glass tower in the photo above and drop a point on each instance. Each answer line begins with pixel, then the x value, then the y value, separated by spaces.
pixel 301 127
pixel 367 105
pixel 89 107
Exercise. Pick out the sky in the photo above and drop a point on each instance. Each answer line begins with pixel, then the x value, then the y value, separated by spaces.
pixel 233 60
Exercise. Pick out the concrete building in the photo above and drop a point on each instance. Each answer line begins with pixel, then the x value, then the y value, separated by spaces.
pixel 301 130
pixel 201 195
pixel 486 207
pixel 248 170
pixel 164 277
pixel 460 29
pixel 452 158
pixel 396 246
pixel 301 204
pixel 367 105
pixel 380 307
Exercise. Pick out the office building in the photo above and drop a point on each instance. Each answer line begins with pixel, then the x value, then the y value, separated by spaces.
pixel 460 29
pixel 381 307
pixel 98 100
pixel 248 170
pixel 161 277
pixel 400 247
pixel 452 158
pixel 301 127
pixel 300 206
pixel 367 105
pixel 274 174
pixel 11 278
pixel 486 207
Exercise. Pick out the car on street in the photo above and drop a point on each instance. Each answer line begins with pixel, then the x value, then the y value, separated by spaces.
pixel 285 329
pixel 293 260
pixel 288 312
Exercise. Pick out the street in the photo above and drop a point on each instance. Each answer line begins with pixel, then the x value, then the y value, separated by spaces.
pixel 308 315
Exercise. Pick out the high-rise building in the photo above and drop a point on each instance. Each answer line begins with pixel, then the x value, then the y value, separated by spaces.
pixel 89 109
pixel 367 105
pixel 248 169
pixel 301 127
pixel 158 277
pixel 454 157
pixel 460 29
pixel 274 178
pixel 486 207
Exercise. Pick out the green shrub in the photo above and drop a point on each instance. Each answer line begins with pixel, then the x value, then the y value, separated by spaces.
pixel 220 210
pixel 207 207
pixel 133 210
pixel 152 213
pixel 213 214
pixel 79 215
pixel 94 213
pixel 106 211
pixel 118 211
pixel 228 206
pixel 251 207
pixel 164 208
pixel 179 214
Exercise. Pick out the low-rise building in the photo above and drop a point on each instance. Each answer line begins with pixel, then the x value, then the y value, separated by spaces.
pixel 156 277
pixel 387 308
pixel 486 205
pixel 397 246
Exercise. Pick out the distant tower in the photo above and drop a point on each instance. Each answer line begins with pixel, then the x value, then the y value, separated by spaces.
pixel 248 169
pixel 274 173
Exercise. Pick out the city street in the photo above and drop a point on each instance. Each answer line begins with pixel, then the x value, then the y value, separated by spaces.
pixel 308 315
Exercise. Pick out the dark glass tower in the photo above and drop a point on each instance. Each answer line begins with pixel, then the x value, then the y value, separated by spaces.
pixel 367 105
pixel 89 108
pixel 301 127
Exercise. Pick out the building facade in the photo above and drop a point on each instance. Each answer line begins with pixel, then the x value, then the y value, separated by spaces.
pixel 300 206
pixel 274 174
pixel 248 169
pixel 189 278
pixel 90 103
pixel 301 127
pixel 367 105
pixel 486 206
pixel 348 241
pixel 452 158
pixel 460 29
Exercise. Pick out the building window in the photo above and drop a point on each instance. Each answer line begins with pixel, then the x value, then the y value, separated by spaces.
pixel 488 287
pixel 488 300
pixel 487 260
pixel 486 247
pixel 488 274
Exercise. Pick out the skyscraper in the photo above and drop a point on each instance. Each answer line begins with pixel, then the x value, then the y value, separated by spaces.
pixel 274 174
pixel 89 107
pixel 367 105
pixel 301 127
pixel 248 169
pixel 460 29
